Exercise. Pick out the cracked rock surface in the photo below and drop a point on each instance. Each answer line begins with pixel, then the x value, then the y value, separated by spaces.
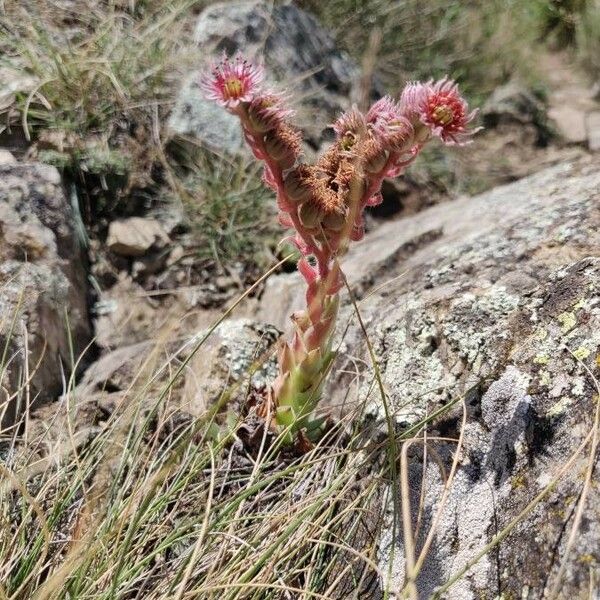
pixel 43 288
pixel 494 300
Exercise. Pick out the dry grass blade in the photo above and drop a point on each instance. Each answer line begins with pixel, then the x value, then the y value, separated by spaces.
pixel 392 450
pixel 201 536
pixel 586 486
pixel 501 535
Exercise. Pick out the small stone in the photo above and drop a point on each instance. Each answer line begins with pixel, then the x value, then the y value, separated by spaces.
pixel 175 256
pixel 136 236
pixel 224 283
pixel 570 123
pixel 6 158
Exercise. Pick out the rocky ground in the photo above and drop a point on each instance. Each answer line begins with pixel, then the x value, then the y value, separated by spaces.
pixel 485 302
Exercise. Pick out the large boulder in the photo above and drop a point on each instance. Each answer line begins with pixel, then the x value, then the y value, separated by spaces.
pixel 298 53
pixel 515 103
pixel 44 324
pixel 493 300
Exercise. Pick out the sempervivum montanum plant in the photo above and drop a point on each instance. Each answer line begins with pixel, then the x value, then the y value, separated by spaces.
pixel 323 203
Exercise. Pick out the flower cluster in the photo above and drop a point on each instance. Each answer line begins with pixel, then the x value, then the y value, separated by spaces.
pixel 323 203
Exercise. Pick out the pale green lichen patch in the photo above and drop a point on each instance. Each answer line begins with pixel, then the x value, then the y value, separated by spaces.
pixel 567 321
pixel 545 378
pixel 587 559
pixel 519 481
pixel 471 320
pixel 578 387
pixel 582 353
pixel 541 359
pixel 560 407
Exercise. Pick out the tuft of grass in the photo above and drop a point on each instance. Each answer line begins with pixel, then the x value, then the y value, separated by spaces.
pixel 231 212
pixel 147 503
pixel 104 72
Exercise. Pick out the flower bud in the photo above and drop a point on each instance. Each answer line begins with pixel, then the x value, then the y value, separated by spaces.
pixel 376 160
pixel 400 135
pixel 283 145
pixel 260 121
pixel 334 221
pixel 296 185
pixel 279 151
pixel 310 215
pixel 266 113
pixel 422 133
pixel 351 122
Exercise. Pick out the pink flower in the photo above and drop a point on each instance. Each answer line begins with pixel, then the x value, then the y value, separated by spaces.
pixel 413 99
pixel 352 122
pixel 440 106
pixel 383 111
pixel 232 81
pixel 390 125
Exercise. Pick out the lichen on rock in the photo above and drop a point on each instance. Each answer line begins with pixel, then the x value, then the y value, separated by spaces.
pixel 501 310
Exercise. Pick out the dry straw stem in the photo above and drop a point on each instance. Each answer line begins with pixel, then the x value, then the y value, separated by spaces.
pixel 586 486
pixel 414 566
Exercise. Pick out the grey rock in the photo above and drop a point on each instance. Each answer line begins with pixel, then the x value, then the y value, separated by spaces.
pixel 569 121
pixel 283 296
pixel 501 310
pixel 495 300
pixel 298 53
pixel 115 370
pixel 43 292
pixel 6 158
pixel 458 295
pixel 515 103
pixel 234 360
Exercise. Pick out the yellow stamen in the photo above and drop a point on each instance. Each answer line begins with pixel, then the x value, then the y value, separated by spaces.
pixel 443 114
pixel 348 140
pixel 233 88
